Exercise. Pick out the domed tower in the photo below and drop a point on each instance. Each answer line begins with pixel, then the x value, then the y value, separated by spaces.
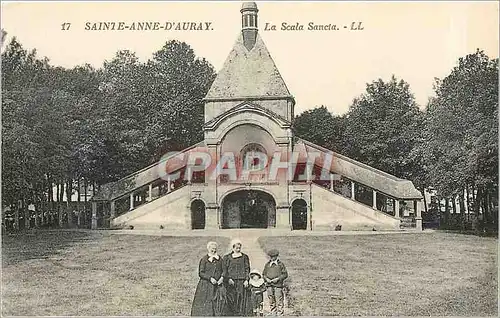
pixel 249 26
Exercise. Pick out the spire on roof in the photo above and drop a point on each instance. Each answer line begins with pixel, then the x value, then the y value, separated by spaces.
pixel 248 74
pixel 249 70
pixel 249 27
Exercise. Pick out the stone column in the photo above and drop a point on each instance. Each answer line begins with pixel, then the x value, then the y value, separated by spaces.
pixel 418 214
pixel 188 217
pixel 353 191
pixel 309 218
pixel 189 174
pixel 168 184
pixel 112 210
pixel 289 156
pixel 94 215
pixel 283 217
pixel 211 218
pixel 396 208
pixel 131 201
pixel 331 182
pixel 210 192
pixel 150 192
pixel 308 173
pixel 374 201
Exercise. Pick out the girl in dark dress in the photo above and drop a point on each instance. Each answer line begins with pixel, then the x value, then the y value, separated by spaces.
pixel 236 270
pixel 206 302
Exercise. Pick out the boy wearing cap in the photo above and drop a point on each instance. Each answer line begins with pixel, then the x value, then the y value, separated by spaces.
pixel 274 274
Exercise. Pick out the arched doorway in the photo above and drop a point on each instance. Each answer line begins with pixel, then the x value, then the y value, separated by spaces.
pixel 197 215
pixel 299 214
pixel 248 209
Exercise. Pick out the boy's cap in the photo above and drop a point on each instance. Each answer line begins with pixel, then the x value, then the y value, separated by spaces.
pixel 273 252
pixel 255 272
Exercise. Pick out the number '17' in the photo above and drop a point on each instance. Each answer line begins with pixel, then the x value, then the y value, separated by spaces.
pixel 65 26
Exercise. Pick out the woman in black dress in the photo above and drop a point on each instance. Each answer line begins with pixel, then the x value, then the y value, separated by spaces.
pixel 236 270
pixel 206 302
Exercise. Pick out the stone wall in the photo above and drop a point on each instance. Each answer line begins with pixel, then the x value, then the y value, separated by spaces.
pixel 281 107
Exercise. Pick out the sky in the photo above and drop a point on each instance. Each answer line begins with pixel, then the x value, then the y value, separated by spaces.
pixel 415 41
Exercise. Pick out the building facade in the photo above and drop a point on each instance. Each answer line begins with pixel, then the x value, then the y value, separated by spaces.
pixel 250 171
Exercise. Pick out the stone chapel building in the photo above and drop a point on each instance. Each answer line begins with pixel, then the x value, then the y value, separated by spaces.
pixel 249 111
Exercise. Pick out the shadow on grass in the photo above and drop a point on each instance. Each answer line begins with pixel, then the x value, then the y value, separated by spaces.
pixel 39 244
pixel 483 233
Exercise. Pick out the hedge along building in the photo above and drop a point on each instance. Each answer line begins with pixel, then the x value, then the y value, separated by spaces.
pixel 250 171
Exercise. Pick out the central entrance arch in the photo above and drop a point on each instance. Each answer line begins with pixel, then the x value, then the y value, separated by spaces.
pixel 248 209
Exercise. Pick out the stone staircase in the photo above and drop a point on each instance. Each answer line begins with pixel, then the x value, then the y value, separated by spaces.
pixel 167 211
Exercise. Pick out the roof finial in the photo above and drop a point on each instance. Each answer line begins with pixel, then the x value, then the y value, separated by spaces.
pixel 249 23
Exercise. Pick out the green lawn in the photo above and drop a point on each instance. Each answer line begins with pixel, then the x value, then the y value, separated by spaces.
pixel 399 274
pixel 100 273
pixel 85 274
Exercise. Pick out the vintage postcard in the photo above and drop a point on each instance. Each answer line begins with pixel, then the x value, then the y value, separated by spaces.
pixel 249 158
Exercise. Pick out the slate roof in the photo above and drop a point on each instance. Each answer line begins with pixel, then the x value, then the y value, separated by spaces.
pixel 248 74
pixel 138 179
pixel 364 174
pixel 248 5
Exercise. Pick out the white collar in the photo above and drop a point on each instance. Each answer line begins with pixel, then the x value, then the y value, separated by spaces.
pixel 274 262
pixel 236 255
pixel 211 257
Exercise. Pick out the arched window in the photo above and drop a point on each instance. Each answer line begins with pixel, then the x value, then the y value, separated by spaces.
pixel 254 152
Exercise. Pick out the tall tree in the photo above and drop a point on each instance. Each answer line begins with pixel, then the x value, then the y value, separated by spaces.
pixel 178 81
pixel 155 106
pixel 383 126
pixel 23 92
pixel 62 126
pixel 461 134
pixel 321 127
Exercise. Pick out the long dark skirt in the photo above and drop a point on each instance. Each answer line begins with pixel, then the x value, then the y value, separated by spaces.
pixel 239 299
pixel 205 302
